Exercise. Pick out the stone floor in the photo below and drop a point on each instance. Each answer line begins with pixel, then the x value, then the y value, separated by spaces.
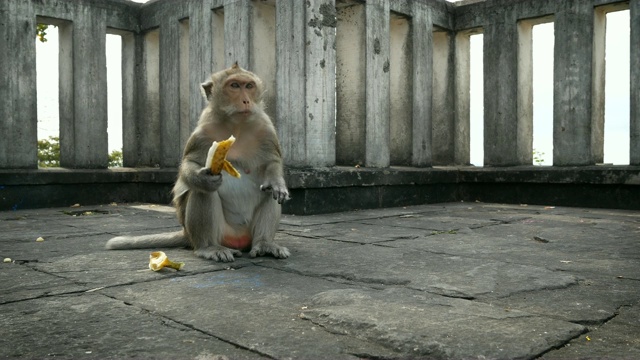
pixel 455 280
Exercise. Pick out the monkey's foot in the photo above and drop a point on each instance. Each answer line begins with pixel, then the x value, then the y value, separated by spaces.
pixel 262 248
pixel 217 253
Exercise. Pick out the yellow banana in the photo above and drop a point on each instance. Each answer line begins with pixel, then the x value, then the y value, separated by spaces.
pixel 216 157
pixel 159 260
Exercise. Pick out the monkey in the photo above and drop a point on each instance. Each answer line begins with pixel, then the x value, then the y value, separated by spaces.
pixel 222 216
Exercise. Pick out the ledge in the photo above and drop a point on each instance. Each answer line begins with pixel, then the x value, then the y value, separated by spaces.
pixel 322 190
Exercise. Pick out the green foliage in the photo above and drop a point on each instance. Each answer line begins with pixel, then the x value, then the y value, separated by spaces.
pixel 538 157
pixel 115 158
pixel 41 32
pixel 49 152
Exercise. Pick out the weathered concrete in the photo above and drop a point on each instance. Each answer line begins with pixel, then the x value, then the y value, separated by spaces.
pixel 382 116
pixel 634 102
pixel 344 188
pixel 377 85
pixel 455 280
pixel 572 103
pixel 18 107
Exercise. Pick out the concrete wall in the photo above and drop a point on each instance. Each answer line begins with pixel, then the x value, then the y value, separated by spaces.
pixel 373 83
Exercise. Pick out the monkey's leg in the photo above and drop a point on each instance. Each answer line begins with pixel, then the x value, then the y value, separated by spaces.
pixel 204 224
pixel 263 229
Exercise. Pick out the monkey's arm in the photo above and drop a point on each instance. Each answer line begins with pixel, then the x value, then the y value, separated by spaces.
pixel 194 174
pixel 198 177
pixel 272 171
pixel 274 182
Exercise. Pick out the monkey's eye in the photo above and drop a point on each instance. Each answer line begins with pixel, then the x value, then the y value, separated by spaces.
pixel 235 85
pixel 250 85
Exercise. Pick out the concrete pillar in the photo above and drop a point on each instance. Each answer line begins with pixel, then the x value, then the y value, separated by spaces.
pixel 635 82
pixel 187 120
pixel 320 88
pixel 18 107
pixel 237 24
pixel 423 93
pixel 131 55
pixel 305 63
pixel 573 57
pixel 149 129
pixel 501 123
pixel 524 117
pixel 205 25
pixel 351 82
pixel 262 51
pixel 598 84
pixel 444 130
pixel 216 33
pixel 83 91
pixel 290 70
pixel 401 120
pixel 462 102
pixel 169 92
pixel 377 84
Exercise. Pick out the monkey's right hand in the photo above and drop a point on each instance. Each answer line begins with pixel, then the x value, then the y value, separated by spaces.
pixel 205 181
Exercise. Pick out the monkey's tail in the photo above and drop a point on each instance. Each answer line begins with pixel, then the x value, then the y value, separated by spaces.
pixel 173 239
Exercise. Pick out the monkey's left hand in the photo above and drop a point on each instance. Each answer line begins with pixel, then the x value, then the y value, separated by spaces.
pixel 278 191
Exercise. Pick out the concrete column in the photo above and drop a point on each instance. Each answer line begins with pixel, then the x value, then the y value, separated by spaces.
pixel 237 24
pixel 169 93
pixel 423 85
pixel 501 123
pixel 573 56
pixel 306 75
pixel 401 92
pixel 262 51
pixel 525 92
pixel 351 83
pixel 598 84
pixel 18 107
pixel 635 82
pixel 149 128
pixel 320 88
pixel 131 55
pixel 377 84
pixel 83 88
pixel 202 30
pixel 462 102
pixel 187 120
pixel 290 70
pixel 216 33
pixel 444 130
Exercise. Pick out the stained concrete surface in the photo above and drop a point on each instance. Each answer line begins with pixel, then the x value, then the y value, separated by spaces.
pixel 454 280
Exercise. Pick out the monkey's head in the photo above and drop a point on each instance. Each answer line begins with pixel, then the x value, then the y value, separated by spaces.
pixel 235 91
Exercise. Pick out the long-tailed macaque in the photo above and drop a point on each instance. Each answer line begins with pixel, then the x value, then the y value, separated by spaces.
pixel 222 215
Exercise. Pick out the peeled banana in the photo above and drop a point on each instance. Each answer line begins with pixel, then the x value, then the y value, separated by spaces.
pixel 216 157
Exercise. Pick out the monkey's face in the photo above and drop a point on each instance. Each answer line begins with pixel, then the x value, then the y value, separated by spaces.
pixel 241 93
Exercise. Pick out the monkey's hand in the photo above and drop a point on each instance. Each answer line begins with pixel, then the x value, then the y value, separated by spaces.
pixel 203 180
pixel 278 191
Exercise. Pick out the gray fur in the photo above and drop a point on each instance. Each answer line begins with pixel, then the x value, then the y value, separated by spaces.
pixel 210 206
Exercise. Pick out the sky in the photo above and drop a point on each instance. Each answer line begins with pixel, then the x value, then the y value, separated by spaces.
pixel 616 145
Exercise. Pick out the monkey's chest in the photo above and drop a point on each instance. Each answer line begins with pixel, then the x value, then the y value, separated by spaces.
pixel 240 197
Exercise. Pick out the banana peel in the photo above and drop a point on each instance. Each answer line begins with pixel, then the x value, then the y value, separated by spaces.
pixel 159 260
pixel 216 157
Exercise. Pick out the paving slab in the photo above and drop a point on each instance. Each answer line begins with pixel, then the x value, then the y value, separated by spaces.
pixel 455 280
pixel 92 326
pixel 426 325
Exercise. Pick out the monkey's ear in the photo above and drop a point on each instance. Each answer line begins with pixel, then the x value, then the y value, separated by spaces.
pixel 207 89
